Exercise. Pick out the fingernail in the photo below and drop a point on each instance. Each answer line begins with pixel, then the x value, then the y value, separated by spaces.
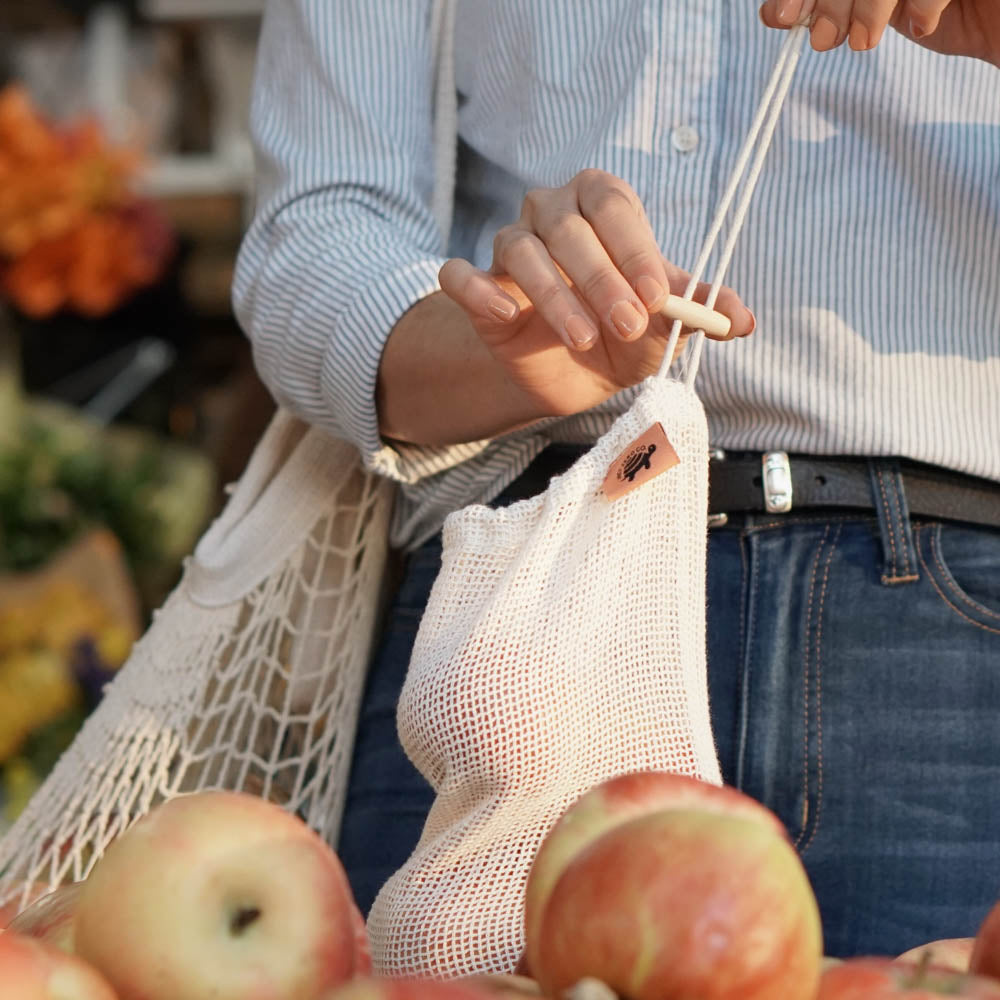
pixel 824 35
pixel 650 291
pixel 916 30
pixel 627 319
pixel 580 330
pixel 858 38
pixel 753 323
pixel 502 307
pixel 789 11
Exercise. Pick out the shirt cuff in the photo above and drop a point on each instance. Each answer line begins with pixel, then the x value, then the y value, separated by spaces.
pixel 350 371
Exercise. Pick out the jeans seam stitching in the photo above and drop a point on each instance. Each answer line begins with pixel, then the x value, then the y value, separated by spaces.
pixel 744 579
pixel 944 597
pixel 819 692
pixel 887 523
pixel 743 584
pixel 740 775
pixel 900 524
pixel 951 584
pixel 805 820
pixel 819 519
pixel 900 574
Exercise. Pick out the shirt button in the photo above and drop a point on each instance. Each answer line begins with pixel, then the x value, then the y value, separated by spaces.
pixel 684 139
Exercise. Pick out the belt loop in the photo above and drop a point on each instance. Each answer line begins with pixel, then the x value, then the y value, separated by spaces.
pixel 899 555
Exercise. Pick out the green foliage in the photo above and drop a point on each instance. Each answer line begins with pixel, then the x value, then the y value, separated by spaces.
pixel 49 495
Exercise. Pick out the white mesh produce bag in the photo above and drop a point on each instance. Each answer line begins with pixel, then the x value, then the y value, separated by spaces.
pixel 563 643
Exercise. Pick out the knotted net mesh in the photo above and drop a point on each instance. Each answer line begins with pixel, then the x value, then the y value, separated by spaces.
pixel 249 676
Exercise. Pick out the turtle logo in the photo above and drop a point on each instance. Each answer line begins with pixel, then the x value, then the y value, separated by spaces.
pixel 634 464
pixel 639 459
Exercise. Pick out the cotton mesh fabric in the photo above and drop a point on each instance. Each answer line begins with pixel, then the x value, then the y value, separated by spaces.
pixel 563 643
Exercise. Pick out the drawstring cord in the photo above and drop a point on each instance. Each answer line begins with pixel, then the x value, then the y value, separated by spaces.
pixel 760 135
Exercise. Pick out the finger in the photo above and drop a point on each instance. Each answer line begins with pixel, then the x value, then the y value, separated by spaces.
pixel 921 17
pixel 869 19
pixel 743 321
pixel 728 303
pixel 617 218
pixel 830 23
pixel 576 249
pixel 477 292
pixel 785 13
pixel 522 256
pixel 768 15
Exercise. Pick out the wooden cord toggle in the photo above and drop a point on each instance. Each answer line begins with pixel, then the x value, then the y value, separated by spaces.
pixel 696 316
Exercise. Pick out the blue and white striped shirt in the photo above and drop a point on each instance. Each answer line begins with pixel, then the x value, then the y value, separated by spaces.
pixel 871 255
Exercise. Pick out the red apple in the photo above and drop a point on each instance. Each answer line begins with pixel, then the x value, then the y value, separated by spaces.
pixel 408 989
pixel 985 960
pixel 32 970
pixel 696 893
pixel 220 896
pixel 890 979
pixel 609 804
pixel 50 918
pixel 948 953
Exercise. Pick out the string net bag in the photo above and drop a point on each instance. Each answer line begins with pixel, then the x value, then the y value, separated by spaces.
pixel 563 643
pixel 250 676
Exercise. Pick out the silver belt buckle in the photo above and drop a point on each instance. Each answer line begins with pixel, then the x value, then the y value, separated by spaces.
pixel 776 477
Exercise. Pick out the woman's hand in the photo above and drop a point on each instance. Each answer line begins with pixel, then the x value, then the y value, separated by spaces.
pixel 570 307
pixel 953 27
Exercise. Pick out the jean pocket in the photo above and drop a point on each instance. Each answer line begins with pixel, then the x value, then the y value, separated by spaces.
pixel 963 565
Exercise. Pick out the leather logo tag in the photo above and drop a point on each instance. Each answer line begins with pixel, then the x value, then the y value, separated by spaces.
pixel 647 456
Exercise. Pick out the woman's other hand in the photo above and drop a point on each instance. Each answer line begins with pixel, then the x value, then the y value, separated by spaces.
pixel 952 27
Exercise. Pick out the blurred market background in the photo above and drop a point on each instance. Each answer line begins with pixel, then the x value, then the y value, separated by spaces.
pixel 127 393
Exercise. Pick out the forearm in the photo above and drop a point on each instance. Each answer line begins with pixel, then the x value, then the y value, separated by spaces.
pixel 343 241
pixel 438 384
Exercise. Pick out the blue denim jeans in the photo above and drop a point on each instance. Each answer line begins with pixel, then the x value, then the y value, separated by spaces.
pixel 854 674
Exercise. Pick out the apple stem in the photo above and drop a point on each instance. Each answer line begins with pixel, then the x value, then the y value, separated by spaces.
pixel 920 970
pixel 243 918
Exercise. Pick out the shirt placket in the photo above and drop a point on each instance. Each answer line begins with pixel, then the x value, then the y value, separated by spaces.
pixel 688 140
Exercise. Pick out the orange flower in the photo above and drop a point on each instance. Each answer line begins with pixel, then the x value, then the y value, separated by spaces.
pixel 72 232
pixel 23 132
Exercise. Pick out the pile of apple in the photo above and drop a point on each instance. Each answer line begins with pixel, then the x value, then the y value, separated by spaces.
pixel 651 886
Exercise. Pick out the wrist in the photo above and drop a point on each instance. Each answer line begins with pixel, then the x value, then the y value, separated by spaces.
pixel 439 385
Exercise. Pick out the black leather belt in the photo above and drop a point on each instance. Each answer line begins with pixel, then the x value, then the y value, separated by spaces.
pixel 736 483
